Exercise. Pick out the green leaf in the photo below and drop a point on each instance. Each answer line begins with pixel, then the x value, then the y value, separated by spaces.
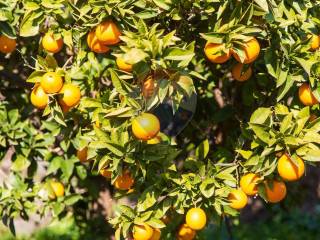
pixel 203 149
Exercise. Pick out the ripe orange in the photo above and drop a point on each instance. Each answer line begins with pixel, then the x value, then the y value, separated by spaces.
pixel 39 98
pixel 145 126
pixel 238 199
pixel 239 75
pixel 249 183
pixel 51 82
pixel 108 33
pixel 82 154
pixel 95 45
pixel 57 188
pixel 314 42
pixel 50 44
pixel 64 107
pixel 124 181
pixel 156 234
pixel 216 53
pixel 196 218
pixel 251 50
pixel 148 87
pixel 186 233
pixel 122 65
pixel 277 192
pixel 306 96
pixel 142 232
pixel 106 173
pixel 7 45
pixel 71 95
pixel 288 170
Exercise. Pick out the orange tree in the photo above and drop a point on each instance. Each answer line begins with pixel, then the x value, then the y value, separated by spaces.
pixel 82 83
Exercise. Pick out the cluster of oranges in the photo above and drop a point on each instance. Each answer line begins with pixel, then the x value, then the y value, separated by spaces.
pixel 145 232
pixel 145 127
pixel 122 182
pixel 275 190
pixel 102 36
pixel 7 45
pixel 218 53
pixel 196 219
pixel 52 83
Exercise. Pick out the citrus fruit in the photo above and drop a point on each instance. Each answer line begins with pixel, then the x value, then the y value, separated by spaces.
pixel 148 87
pixel 57 188
pixel 277 192
pixel 95 45
pixel 124 181
pixel 196 218
pixel 217 53
pixel 238 199
pixel 122 65
pixel 249 184
pixel 146 126
pixel 306 96
pixel 51 82
pixel 239 75
pixel 288 169
pixel 251 51
pixel 314 42
pixel 82 154
pixel 70 95
pixel 156 234
pixel 186 233
pixel 38 97
pixel 108 33
pixel 7 45
pixel 142 232
pixel 106 173
pixel 50 44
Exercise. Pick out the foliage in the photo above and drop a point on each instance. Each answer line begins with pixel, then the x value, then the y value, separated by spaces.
pixel 237 127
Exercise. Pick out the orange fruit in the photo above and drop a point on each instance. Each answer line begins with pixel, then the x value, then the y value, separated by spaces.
pixel 196 218
pixel 106 173
pixel 239 75
pixel 145 126
pixel 38 97
pixel 238 199
pixel 314 42
pixel 186 233
pixel 82 154
pixel 277 192
pixel 57 188
pixel 108 33
pixel 124 181
pixel 64 107
pixel 216 53
pixel 249 183
pixel 122 65
pixel 71 95
pixel 289 170
pixel 156 234
pixel 95 45
pixel 148 87
pixel 306 96
pixel 7 45
pixel 51 82
pixel 50 44
pixel 142 232
pixel 251 50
